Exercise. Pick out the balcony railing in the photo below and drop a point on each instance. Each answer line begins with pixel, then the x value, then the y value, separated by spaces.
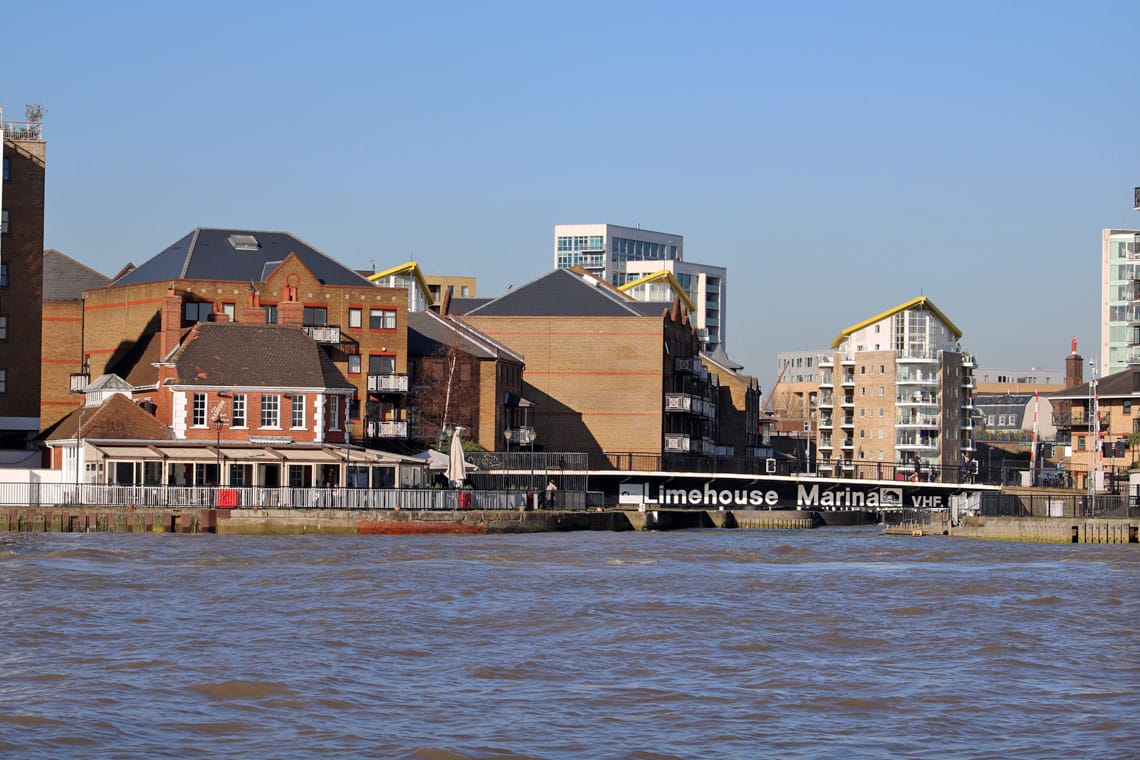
pixel 388 383
pixel 675 443
pixel 323 333
pixel 23 130
pixel 519 436
pixel 387 429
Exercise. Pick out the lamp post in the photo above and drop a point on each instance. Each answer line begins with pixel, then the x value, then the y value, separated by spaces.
pixel 532 437
pixel 347 453
pixel 79 381
pixel 219 419
pixel 1094 434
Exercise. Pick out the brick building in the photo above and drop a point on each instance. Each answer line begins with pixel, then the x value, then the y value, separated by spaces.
pixel 258 278
pixel 461 377
pixel 64 282
pixel 605 373
pixel 235 405
pixel 21 280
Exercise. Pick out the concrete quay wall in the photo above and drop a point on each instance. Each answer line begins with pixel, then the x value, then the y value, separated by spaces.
pixel 379 522
pixel 1050 530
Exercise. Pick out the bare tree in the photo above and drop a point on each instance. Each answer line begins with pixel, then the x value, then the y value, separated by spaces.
pixel 445 391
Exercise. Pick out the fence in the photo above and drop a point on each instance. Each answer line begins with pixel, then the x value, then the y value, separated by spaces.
pixel 1058 505
pixel 86 495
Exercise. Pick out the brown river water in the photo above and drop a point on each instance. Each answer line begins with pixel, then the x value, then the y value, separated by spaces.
pixel 831 643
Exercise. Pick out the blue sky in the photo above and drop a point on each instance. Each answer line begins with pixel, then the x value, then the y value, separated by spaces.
pixel 838 158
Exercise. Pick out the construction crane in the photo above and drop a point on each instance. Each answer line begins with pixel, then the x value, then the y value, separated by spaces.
pixel 772 393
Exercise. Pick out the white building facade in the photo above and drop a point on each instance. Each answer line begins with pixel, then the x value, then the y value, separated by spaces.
pixel 1120 300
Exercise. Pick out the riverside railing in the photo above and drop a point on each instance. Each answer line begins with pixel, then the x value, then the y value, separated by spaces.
pixel 202 497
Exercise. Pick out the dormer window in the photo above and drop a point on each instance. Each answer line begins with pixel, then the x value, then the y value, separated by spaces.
pixel 244 243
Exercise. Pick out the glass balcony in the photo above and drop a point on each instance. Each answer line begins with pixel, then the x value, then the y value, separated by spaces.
pixel 388 383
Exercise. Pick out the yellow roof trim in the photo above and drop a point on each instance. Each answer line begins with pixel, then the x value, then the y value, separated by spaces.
pixel 919 301
pixel 666 275
pixel 408 268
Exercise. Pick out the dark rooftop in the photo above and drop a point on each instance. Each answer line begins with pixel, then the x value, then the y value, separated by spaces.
pixel 236 255
pixel 251 356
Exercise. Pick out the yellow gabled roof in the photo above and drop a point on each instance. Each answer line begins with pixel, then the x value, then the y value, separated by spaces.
pixel 411 269
pixel 922 301
pixel 666 275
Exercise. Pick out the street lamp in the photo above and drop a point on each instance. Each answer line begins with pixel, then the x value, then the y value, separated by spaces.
pixel 219 419
pixel 347 453
pixel 79 381
pixel 532 437
pixel 1094 434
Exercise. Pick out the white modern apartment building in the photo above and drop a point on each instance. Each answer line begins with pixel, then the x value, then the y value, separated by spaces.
pixel 629 257
pixel 1119 300
pixel 896 386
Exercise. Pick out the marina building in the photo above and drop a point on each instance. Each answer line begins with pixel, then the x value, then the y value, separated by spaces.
pixel 896 389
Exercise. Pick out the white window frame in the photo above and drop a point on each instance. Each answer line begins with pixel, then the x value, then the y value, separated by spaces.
pixel 334 412
pixel 354 364
pixel 198 410
pixel 297 412
pixel 271 411
pixel 238 411
pixel 355 317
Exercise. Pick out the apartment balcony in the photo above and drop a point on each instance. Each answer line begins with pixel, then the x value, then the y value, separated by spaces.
pixel 388 383
pixel 826 399
pixel 969 382
pixel 386 429
pixel 917 420
pixel 519 436
pixel 917 378
pixel 827 360
pixel 825 423
pixel 324 334
pixel 25 131
pixel 825 443
pixel 825 380
pixel 849 380
pixel 916 399
pixel 677 443
pixel 848 422
pixel 849 400
pixel 916 444
pixel 848 443
pixel 847 358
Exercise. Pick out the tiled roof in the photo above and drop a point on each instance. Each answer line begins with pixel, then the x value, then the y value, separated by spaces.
pixel 565 294
pixel 255 356
pixel 65 279
pixel 209 254
pixel 117 418
pixel 1122 384
pixel 428 333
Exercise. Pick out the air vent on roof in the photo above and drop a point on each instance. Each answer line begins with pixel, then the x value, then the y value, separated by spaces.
pixel 244 242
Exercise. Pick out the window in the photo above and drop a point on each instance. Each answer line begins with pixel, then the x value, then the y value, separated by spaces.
pixel 1127 402
pixel 316 316
pixel 270 410
pixel 198 311
pixel 1081 443
pixel 334 412
pixel 354 317
pixel 297 409
pixel 7 170
pixel 271 314
pixel 3 381
pixel 381 319
pixel 237 410
pixel 198 410
pixel 3 275
pixel 4 221
pixel 381 365
pixel 354 364
pixel 3 328
pixel 229 310
pixel 464 291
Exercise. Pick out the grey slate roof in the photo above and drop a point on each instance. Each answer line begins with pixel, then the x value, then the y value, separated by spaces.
pixel 1122 384
pixel 65 279
pixel 253 356
pixel 428 333
pixel 562 293
pixel 206 254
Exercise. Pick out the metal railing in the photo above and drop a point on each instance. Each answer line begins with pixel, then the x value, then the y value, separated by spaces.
pixel 204 497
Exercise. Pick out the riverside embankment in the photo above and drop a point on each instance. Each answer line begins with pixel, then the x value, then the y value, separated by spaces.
pixel 343 521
